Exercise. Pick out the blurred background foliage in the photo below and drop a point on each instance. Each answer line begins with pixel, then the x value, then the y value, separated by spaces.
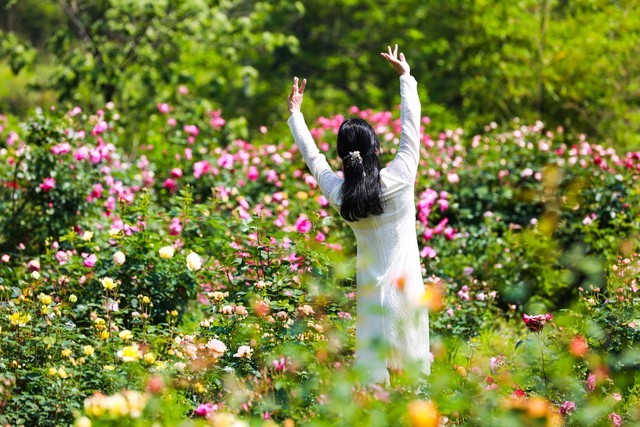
pixel 571 63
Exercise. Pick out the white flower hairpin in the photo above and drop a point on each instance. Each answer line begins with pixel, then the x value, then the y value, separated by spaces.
pixel 354 157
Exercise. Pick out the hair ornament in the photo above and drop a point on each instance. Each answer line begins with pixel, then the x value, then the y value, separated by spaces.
pixel 354 157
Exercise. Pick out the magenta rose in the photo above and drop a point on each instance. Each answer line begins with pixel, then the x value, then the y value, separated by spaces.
pixel 48 184
pixel 567 407
pixel 303 225
pixel 537 322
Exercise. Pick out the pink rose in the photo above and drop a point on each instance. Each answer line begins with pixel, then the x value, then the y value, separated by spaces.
pixel 303 225
pixel 163 108
pixel 279 364
pixel 616 420
pixel 100 127
pixel 217 121
pixel 169 184
pixel 62 148
pixel 62 257
pixel 428 234
pixel 33 265
pixel 226 161
pixel 81 153
pixel 48 184
pixel 200 168
pixel 176 172
pixel 567 407
pixel 96 191
pixel 449 233
pixel 90 261
pixel 453 178
pixel 591 382
pixel 428 252
pixel 441 225
pixel 175 228
pixel 253 173
pixel 192 130
pixel 204 409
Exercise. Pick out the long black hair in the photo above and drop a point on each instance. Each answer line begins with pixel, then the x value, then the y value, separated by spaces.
pixel 360 152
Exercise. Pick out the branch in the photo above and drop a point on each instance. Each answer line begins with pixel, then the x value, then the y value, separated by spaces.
pixel 83 32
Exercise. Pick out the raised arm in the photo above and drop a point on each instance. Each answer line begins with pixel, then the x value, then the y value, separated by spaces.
pixel 405 164
pixel 327 180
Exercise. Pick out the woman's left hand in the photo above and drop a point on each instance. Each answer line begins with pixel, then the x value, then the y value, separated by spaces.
pixel 295 97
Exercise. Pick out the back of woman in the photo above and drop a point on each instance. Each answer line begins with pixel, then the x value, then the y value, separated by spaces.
pixel 392 328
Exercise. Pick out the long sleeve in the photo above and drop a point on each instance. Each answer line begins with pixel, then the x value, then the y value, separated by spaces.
pixel 405 164
pixel 327 180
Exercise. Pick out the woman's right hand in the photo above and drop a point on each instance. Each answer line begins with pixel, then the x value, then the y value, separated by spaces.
pixel 294 101
pixel 399 63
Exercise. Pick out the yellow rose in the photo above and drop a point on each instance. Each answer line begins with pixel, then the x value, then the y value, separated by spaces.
pixel 88 350
pixel 149 357
pixel 125 335
pixel 104 335
pixel 19 319
pixel 130 353
pixel 166 252
pixel 45 299
pixel 88 235
pixel 62 373
pixel 108 283
pixel 146 300
pixel 53 371
pixel 117 405
pixel 66 352
pixel 94 405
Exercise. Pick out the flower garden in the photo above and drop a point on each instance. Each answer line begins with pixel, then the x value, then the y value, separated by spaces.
pixel 202 279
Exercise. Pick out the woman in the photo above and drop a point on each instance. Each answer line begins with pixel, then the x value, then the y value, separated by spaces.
pixel 378 204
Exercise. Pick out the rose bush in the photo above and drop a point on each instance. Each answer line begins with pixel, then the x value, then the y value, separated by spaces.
pixel 205 277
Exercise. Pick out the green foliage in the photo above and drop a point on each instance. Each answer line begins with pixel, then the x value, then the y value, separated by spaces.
pixel 20 55
pixel 33 213
pixel 573 64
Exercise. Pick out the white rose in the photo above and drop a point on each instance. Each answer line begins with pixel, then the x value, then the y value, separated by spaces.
pixel 194 262
pixel 119 258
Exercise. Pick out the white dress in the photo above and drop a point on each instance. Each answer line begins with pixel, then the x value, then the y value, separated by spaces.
pixel 389 275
